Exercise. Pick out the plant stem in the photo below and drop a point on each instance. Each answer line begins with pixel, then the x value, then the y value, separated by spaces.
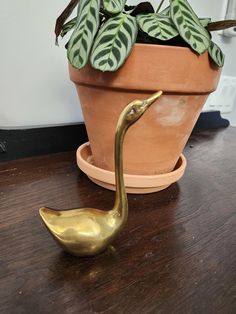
pixel 160 5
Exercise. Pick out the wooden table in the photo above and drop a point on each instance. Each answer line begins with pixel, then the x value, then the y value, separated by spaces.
pixel 177 253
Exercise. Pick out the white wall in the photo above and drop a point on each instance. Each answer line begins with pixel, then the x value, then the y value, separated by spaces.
pixel 34 86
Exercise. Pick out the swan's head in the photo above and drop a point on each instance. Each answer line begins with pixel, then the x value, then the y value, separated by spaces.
pixel 136 108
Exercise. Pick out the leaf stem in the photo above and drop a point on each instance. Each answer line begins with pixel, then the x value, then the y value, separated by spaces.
pixel 160 5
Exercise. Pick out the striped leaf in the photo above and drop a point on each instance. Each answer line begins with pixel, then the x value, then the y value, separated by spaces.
pixel 113 6
pixel 68 27
pixel 216 54
pixel 189 26
pixel 114 42
pixel 81 40
pixel 205 21
pixel 157 25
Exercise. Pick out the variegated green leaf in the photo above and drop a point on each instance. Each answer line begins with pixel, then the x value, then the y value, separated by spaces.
pixel 81 40
pixel 113 6
pixel 157 25
pixel 114 42
pixel 189 26
pixel 216 54
pixel 205 21
pixel 68 27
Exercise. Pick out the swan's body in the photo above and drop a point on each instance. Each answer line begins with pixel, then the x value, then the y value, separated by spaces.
pixel 88 231
pixel 82 232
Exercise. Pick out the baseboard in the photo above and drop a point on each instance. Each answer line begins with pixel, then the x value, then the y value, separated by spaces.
pixel 211 120
pixel 15 144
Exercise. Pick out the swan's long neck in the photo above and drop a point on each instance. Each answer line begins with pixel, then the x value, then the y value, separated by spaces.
pixel 121 204
pixel 120 208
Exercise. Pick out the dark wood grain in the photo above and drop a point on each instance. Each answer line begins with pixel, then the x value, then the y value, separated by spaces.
pixel 177 253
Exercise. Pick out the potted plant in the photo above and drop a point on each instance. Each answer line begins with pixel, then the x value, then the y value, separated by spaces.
pixel 118 53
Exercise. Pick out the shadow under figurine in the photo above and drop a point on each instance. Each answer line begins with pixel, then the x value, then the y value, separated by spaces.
pixel 89 231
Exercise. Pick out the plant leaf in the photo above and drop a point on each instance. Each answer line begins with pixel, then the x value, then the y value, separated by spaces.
pixel 143 7
pixel 114 42
pixel 113 6
pixel 217 26
pixel 68 26
pixel 85 30
pixel 205 21
pixel 157 25
pixel 189 26
pixel 216 54
pixel 64 16
pixel 128 8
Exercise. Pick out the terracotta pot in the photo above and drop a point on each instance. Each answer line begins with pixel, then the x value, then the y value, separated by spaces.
pixel 154 144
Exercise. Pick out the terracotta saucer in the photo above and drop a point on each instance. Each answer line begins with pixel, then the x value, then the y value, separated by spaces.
pixel 136 184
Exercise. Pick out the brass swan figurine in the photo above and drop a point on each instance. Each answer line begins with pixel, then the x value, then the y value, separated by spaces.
pixel 88 231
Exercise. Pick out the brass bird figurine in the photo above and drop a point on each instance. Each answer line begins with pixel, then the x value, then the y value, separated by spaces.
pixel 89 231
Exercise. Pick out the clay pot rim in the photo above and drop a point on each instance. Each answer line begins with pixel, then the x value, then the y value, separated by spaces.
pixel 148 68
pixel 134 181
pixel 157 46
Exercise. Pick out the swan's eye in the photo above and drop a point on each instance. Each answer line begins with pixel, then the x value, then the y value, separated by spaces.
pixel 135 109
pixel 132 112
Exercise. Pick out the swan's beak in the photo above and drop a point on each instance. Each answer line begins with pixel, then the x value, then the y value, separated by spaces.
pixel 153 98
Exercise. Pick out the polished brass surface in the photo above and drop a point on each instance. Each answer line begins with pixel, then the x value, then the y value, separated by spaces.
pixel 88 231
